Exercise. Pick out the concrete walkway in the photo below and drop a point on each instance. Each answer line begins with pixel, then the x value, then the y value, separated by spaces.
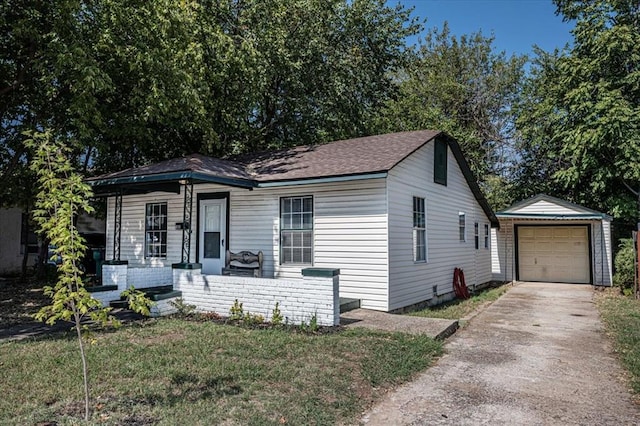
pixel 433 327
pixel 537 356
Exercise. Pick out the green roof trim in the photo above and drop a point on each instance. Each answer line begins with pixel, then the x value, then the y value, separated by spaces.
pixel 330 179
pixel 173 176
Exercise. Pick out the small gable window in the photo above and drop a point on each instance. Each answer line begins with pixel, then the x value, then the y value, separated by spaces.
pixel 462 226
pixel 440 162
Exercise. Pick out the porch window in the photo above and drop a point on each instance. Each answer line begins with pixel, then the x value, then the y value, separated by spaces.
pixel 419 230
pixel 476 235
pixel 486 235
pixel 156 230
pixel 462 226
pixel 296 229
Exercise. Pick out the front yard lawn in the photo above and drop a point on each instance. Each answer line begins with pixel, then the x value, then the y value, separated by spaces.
pixel 621 316
pixel 170 371
pixel 459 308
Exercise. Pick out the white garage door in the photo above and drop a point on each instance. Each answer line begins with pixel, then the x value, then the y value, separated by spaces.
pixel 553 254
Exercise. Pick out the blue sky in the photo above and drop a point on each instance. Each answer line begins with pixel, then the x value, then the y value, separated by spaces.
pixel 516 24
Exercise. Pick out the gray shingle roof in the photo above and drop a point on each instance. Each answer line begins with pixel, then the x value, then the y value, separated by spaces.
pixel 346 157
pixel 359 156
pixel 364 155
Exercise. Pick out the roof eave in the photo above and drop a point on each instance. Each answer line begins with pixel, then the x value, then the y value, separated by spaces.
pixel 553 216
pixel 172 177
pixel 323 179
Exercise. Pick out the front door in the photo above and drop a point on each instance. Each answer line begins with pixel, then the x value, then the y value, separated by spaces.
pixel 212 235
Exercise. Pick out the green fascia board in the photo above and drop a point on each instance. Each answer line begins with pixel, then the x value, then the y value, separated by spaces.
pixel 330 179
pixel 184 265
pixel 174 176
pixel 320 272
pixel 586 216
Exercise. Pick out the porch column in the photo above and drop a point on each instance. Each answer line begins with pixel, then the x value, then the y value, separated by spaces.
pixel 117 226
pixel 186 220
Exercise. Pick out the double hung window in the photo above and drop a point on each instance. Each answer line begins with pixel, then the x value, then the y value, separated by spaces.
pixel 296 230
pixel 156 230
pixel 419 230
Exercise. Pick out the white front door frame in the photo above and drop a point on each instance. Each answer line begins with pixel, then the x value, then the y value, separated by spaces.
pixel 212 232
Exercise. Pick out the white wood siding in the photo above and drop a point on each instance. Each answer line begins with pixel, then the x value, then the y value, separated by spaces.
pixel 546 207
pixel 412 282
pixel 350 231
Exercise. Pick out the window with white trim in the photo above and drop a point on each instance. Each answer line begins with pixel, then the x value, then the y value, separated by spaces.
pixel 486 235
pixel 296 230
pixel 462 226
pixel 476 235
pixel 419 230
pixel 155 230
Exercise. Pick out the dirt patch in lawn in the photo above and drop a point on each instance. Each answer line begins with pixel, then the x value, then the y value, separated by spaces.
pixel 19 301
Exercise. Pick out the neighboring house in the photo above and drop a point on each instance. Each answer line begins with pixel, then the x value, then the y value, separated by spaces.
pixel 551 240
pixel 14 240
pixel 16 237
pixel 394 213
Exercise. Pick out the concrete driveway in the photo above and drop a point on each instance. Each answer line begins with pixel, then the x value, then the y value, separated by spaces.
pixel 537 356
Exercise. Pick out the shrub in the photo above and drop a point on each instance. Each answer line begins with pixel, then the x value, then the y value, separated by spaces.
pixel 624 264
pixel 276 315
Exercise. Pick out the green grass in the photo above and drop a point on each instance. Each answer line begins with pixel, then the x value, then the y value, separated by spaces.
pixel 169 371
pixel 459 308
pixel 621 316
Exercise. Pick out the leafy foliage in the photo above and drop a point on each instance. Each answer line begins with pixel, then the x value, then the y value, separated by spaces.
pixel 126 83
pixel 580 116
pixel 462 86
pixel 625 264
pixel 138 301
pixel 62 196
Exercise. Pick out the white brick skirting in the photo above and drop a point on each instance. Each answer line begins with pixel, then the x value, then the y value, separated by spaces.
pixel 299 300
pixel 124 276
pixel 115 275
pixel 149 277
pixel 105 297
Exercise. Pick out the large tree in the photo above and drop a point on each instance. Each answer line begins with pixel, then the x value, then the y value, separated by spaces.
pixel 132 82
pixel 463 86
pixel 580 118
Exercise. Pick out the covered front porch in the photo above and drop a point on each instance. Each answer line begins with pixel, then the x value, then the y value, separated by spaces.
pixel 170 232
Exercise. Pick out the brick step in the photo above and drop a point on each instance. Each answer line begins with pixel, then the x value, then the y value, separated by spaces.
pixel 153 293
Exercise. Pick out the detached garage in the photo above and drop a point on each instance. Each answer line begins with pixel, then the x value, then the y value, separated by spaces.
pixel 546 239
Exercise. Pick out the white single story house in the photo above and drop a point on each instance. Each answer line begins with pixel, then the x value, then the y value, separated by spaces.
pixel 547 239
pixel 395 214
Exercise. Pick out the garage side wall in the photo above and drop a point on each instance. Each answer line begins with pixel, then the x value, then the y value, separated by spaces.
pixel 502 252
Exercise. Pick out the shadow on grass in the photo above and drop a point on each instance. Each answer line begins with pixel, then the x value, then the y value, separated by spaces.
pixel 192 388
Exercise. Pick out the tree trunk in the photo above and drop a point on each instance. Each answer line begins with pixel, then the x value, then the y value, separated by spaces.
pixel 85 371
